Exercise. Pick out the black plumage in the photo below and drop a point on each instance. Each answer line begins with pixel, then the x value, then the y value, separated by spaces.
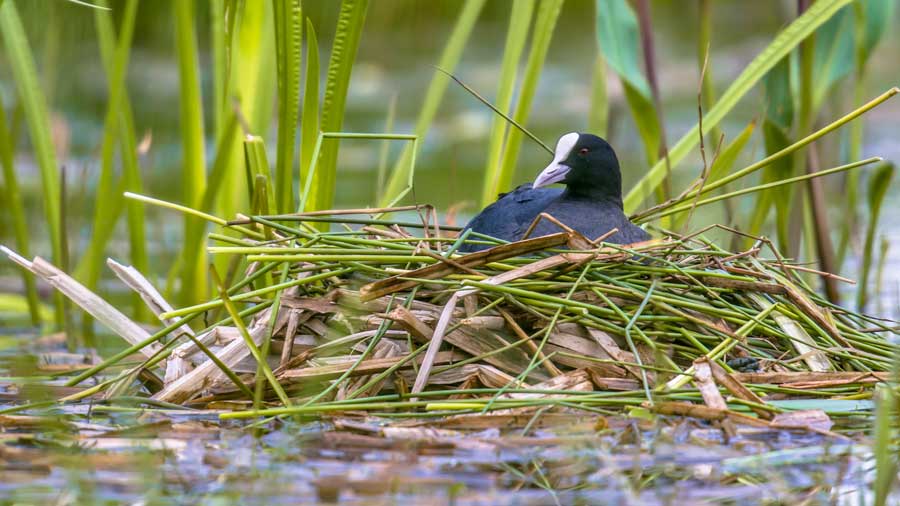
pixel 591 202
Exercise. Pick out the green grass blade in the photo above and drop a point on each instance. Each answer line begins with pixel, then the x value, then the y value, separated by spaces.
pixel 21 61
pixel 704 45
pixel 309 121
pixel 288 42
pixel 516 36
pixel 783 43
pixel 13 199
pixel 193 157
pixel 340 66
pixel 544 26
pixel 434 95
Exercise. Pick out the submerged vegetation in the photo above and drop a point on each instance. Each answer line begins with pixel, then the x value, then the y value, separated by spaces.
pixel 289 310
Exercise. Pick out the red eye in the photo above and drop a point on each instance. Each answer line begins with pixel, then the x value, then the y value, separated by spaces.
pixel 583 151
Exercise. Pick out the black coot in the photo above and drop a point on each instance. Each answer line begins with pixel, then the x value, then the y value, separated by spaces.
pixel 591 203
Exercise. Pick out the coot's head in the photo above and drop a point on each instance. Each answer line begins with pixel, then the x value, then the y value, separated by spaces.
pixel 586 164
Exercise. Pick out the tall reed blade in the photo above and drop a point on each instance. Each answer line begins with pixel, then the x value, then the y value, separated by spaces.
pixel 109 206
pixel 598 116
pixel 878 187
pixel 340 66
pixel 544 26
pixel 251 89
pixel 258 173
pixel 21 61
pixel 309 121
pixel 516 35
pixel 721 166
pixel 193 167
pixel 871 20
pixel 620 42
pixel 884 439
pixel 288 42
pixel 13 199
pixel 131 174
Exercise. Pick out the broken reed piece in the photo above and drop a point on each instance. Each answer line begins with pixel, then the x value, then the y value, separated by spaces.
pixel 396 283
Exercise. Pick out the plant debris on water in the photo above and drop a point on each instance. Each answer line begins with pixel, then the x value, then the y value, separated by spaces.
pixel 394 339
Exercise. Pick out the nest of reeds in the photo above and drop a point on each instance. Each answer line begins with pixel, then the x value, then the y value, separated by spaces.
pixel 380 319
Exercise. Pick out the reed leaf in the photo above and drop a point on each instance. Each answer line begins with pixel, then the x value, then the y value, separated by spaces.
pixel 109 206
pixel 343 52
pixel 252 81
pixel 871 19
pixel 878 187
pixel 193 161
pixel 309 121
pixel 385 149
pixel 193 249
pixel 834 54
pixel 617 33
pixel 131 173
pixel 34 105
pixel 218 54
pixel 883 440
pixel 257 166
pixel 783 43
pixel 598 116
pixel 544 26
pixel 289 39
pixel 516 36
pixel 704 38
pixel 434 95
pixel 13 198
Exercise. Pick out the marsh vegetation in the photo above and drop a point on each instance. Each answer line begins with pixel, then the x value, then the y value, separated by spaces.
pixel 233 233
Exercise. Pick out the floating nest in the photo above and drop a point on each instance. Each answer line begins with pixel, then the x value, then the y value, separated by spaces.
pixel 376 319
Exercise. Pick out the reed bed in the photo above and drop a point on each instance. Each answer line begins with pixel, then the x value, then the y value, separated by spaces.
pixel 388 319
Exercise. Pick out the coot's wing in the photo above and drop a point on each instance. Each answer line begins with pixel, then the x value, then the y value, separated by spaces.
pixel 512 212
pixel 630 233
pixel 591 219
